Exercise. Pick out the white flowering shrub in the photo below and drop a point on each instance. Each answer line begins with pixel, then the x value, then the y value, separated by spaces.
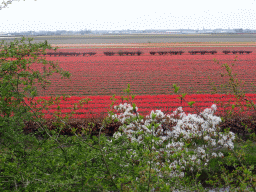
pixel 189 129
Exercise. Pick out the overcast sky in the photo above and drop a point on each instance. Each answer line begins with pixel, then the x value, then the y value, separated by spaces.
pixel 77 15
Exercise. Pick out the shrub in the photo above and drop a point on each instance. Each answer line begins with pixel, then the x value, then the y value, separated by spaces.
pixel 241 52
pixel 91 53
pixel 226 51
pixel 126 53
pixel 121 53
pixel 109 53
pixel 213 52
pixel 139 53
pixel 248 52
pixel 18 81
pixel 162 52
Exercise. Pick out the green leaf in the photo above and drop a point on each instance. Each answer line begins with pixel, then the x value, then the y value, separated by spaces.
pixel 176 89
pixel 183 95
pixel 153 116
pixel 134 106
pixel 191 103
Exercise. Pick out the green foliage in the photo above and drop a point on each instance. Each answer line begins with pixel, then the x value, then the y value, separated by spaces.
pixel 176 88
pixel 191 103
pixel 18 80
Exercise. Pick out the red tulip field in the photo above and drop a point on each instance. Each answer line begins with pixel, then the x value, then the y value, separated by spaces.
pixel 100 105
pixel 151 78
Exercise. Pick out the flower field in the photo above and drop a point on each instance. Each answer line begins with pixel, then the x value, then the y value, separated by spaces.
pixel 151 78
pixel 147 74
pixel 99 105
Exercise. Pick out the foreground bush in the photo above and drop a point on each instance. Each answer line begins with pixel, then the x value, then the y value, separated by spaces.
pixel 140 157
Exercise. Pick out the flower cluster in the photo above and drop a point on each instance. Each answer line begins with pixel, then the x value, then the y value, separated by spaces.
pixel 188 128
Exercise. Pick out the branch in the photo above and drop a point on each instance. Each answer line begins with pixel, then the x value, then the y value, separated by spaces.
pixel 6 3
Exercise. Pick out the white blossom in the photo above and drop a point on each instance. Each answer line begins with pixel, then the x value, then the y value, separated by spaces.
pixel 221 154
pixel 214 155
pixel 182 174
pixel 186 125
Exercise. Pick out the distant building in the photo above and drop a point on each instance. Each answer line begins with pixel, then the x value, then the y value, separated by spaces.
pixel 188 31
pixel 174 32
pixel 238 30
pixel 5 34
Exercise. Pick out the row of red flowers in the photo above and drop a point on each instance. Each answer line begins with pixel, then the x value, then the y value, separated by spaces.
pixel 99 105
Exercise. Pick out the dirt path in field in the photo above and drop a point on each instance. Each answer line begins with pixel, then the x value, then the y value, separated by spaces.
pixel 151 45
